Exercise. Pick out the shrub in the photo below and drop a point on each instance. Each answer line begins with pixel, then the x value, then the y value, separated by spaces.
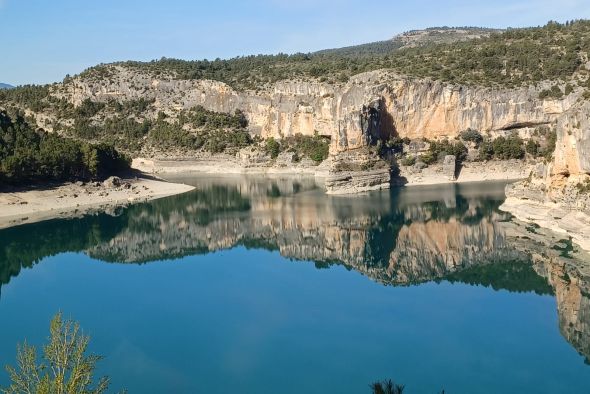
pixel 508 148
pixel 471 135
pixel 408 161
pixel 440 149
pixel 532 148
pixel 315 147
pixel 486 150
pixel 65 367
pixel 272 147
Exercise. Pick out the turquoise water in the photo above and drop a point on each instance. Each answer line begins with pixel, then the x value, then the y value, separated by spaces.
pixel 269 286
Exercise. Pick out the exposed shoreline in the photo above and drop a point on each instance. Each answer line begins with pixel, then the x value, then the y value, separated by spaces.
pixel 214 165
pixel 470 172
pixel 551 216
pixel 77 199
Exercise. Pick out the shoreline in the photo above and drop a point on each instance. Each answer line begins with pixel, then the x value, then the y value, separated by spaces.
pixel 76 199
pixel 553 217
pixel 505 171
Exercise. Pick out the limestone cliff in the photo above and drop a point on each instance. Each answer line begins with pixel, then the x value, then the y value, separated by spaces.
pixel 369 106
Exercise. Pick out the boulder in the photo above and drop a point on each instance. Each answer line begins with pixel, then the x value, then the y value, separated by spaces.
pixel 113 181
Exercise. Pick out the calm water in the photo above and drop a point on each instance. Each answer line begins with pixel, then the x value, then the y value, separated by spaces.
pixel 269 286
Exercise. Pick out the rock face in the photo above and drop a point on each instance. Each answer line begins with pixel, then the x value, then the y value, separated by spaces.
pixel 369 106
pixel 554 195
pixel 350 182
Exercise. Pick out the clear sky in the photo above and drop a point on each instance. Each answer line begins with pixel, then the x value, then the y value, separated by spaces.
pixel 43 40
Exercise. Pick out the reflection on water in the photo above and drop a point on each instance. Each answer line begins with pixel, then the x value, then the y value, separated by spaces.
pixel 403 237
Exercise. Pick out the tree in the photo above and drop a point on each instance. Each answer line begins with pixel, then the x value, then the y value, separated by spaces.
pixel 386 387
pixel 65 368
pixel 273 148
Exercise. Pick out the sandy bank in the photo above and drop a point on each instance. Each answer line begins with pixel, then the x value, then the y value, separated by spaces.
pixel 70 200
pixel 224 164
pixel 511 170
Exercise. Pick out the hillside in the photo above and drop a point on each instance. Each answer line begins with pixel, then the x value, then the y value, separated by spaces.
pixel 5 86
pixel 514 57
pixel 411 39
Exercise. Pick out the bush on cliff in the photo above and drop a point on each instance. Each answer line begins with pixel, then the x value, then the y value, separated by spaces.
pixel 272 147
pixel 438 150
pixel 471 135
pixel 315 147
pixel 502 148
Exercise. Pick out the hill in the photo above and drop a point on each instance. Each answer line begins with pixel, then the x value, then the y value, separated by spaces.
pixel 470 56
pixel 5 86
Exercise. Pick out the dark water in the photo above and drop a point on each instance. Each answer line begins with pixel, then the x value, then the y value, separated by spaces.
pixel 270 286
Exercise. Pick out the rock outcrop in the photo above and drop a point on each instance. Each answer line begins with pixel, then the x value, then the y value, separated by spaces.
pixel 557 195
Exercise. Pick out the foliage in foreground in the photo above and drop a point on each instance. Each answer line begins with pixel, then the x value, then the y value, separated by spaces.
pixel 387 387
pixel 65 367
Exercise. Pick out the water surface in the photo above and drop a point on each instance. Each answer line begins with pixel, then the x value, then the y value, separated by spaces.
pixel 259 285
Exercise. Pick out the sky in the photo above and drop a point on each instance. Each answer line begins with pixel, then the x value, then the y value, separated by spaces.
pixel 44 40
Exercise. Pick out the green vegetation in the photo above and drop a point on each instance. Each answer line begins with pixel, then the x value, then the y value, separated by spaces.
pixel 508 148
pixel 514 57
pixel 408 161
pixel 513 147
pixel 272 147
pixel 584 187
pixel 27 155
pixel 555 92
pixel 532 148
pixel 29 96
pixel 193 129
pixel 386 387
pixel 198 128
pixel 471 135
pixel 438 150
pixel 316 148
pixel 65 366
pixel 502 148
pixel 514 276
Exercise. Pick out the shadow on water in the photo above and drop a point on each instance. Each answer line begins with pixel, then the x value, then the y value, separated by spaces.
pixel 400 237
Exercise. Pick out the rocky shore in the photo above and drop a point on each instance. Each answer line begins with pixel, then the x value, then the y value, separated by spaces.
pixel 565 212
pixel 76 199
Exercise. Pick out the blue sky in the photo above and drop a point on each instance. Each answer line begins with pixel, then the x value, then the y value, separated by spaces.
pixel 42 40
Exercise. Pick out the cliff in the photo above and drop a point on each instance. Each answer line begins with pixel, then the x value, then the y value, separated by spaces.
pixel 369 106
pixel 556 195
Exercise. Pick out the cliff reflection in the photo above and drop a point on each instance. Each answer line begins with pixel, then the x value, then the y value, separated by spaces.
pixel 402 237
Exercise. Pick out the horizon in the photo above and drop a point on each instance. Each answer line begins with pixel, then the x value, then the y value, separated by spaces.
pixel 66 38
